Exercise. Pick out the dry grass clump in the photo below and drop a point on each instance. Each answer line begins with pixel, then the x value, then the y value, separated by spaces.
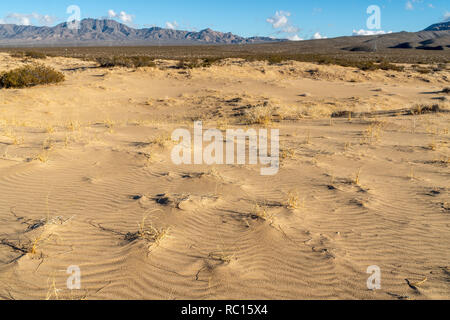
pixel 293 201
pixel 197 63
pixel 288 153
pixel 271 59
pixel 148 232
pixel 422 70
pixel 127 62
pixel 29 76
pixel 162 140
pixel 373 133
pixel 260 212
pixel 356 181
pixel 425 108
pixel 262 115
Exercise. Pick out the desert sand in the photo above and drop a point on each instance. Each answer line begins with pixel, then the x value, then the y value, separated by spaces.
pixel 87 180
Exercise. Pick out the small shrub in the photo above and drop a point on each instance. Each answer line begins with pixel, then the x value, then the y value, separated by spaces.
pixel 272 60
pixel 197 63
pixel 30 75
pixel 187 64
pixel 28 54
pixel 389 66
pixel 440 67
pixel 18 54
pixel 35 55
pixel 422 70
pixel 207 62
pixel 128 62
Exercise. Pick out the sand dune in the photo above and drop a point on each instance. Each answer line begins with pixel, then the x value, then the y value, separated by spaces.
pixel 86 179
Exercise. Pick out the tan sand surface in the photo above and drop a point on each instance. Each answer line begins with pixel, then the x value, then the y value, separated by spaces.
pixel 86 179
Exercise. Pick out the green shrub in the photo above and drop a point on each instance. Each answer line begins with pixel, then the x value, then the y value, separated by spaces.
pixel 128 62
pixel 30 75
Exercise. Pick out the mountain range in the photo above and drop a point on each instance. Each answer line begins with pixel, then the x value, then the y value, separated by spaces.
pixel 95 31
pixel 104 32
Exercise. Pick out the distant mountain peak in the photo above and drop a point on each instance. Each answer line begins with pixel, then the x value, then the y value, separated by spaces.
pixel 442 26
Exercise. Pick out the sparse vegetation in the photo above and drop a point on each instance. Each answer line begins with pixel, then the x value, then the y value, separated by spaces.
pixel 127 62
pixel 161 140
pixel 35 55
pixel 273 53
pixel 422 70
pixel 373 133
pixel 362 65
pixel 327 60
pixel 29 76
pixel 29 54
pixel 197 63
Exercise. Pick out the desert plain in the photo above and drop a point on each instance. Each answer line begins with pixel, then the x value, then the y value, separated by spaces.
pixel 87 180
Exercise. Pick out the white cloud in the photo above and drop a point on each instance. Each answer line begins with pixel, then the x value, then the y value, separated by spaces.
pixel 409 5
pixel 447 16
pixel 125 17
pixel 28 19
pixel 171 25
pixel 290 29
pixel 280 22
pixel 18 18
pixel 295 38
pixel 122 16
pixel 317 35
pixel 363 32
pixel 112 13
pixel 46 19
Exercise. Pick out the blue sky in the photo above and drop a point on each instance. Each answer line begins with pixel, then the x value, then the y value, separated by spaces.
pixel 297 19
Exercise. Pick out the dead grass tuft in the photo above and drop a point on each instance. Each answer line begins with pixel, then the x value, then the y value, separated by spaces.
pixel 262 115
